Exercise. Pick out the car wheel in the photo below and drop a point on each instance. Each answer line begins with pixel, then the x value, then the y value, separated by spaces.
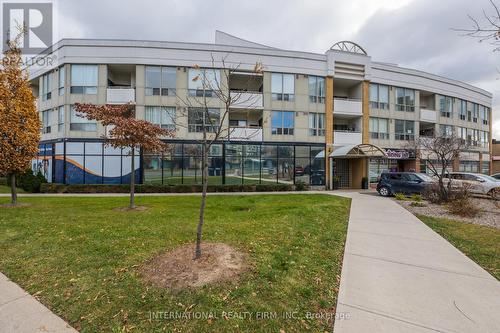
pixel 384 191
pixel 495 193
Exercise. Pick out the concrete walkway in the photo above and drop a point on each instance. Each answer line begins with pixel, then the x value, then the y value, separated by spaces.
pixel 398 275
pixel 22 313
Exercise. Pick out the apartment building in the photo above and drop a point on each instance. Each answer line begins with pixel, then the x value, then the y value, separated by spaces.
pixel 305 117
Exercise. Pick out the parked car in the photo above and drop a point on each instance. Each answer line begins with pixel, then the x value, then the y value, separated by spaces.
pixel 496 176
pixel 299 171
pixel 391 183
pixel 477 183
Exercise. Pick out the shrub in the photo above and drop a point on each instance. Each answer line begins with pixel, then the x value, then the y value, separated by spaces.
pixel 416 198
pixel 417 204
pixel 30 182
pixel 431 194
pixel 400 196
pixel 150 188
pixel 463 206
pixel 301 186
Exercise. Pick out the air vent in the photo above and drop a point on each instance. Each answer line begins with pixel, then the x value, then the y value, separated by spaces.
pixel 347 70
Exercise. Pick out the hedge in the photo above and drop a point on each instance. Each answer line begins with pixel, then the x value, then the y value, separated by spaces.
pixel 60 188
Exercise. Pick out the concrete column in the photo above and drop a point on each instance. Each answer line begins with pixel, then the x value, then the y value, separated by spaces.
pixel 328 128
pixel 366 111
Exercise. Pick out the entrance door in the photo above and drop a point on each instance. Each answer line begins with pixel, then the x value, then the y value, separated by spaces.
pixel 342 171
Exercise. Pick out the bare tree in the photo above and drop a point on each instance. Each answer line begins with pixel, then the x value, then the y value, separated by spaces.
pixel 485 29
pixel 204 118
pixel 440 153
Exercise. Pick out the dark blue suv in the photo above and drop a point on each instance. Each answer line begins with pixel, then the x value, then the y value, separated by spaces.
pixel 391 183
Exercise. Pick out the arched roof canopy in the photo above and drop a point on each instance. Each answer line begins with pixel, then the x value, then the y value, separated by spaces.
pixel 348 46
pixel 356 151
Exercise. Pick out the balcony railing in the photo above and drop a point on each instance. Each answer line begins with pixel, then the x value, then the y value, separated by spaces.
pixel 120 95
pixel 347 106
pixel 246 100
pixel 428 115
pixel 341 138
pixel 245 133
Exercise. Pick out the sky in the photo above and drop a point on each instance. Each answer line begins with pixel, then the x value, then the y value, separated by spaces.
pixel 412 33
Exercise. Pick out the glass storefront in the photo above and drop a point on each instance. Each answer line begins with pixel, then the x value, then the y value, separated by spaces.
pixel 92 162
pixel 379 165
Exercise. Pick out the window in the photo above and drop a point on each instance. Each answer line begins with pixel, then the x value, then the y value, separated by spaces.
pixel 472 137
pixel 316 89
pixel 160 81
pixel 484 139
pixel 84 79
pixel 484 114
pixel 161 116
pixel 379 128
pixel 283 87
pixel 78 123
pixel 405 130
pixel 203 82
pixel 446 131
pixel 62 80
pixel 316 124
pixel 46 87
pixel 199 118
pixel 379 96
pixel 282 122
pixel 405 99
pixel 60 119
pixel 462 134
pixel 469 166
pixel 470 106
pixel 485 166
pixel 46 122
pixel 475 112
pixel 463 110
pixel 445 106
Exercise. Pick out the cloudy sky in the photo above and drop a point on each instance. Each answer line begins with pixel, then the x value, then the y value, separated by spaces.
pixel 412 33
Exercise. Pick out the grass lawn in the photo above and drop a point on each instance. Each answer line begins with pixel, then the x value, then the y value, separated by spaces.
pixel 480 243
pixel 80 258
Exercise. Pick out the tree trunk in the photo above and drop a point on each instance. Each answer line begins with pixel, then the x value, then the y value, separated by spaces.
pixel 132 180
pixel 13 189
pixel 197 254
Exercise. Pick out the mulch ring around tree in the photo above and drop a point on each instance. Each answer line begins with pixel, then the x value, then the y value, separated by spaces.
pixel 128 209
pixel 177 269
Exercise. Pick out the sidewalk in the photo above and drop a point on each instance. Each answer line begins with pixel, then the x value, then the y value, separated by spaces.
pixel 398 275
pixel 22 313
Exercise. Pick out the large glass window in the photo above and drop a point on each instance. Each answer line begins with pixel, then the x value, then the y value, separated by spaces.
pixel 46 87
pixel 203 82
pixel 379 128
pixel 62 80
pixel 282 122
pixel 484 114
pixel 160 81
pixel 60 118
pixel 316 124
pixel 462 134
pixel 405 99
pixel 316 89
pixel 484 139
pixel 446 131
pixel 84 79
pixel 463 110
pixel 445 106
pixel 199 118
pixel 46 121
pixel 79 123
pixel 405 130
pixel 283 87
pixel 161 116
pixel 475 112
pixel 379 96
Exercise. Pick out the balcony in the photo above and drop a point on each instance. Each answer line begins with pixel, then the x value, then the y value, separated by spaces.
pixel 342 138
pixel 427 115
pixel 352 107
pixel 246 100
pixel 245 134
pixel 123 95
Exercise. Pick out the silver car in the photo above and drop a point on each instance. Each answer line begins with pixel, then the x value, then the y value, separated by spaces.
pixel 477 183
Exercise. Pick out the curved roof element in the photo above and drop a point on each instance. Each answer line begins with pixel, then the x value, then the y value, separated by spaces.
pixel 362 150
pixel 348 46
pixel 223 38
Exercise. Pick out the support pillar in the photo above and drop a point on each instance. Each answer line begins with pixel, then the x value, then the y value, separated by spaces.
pixel 366 111
pixel 328 130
